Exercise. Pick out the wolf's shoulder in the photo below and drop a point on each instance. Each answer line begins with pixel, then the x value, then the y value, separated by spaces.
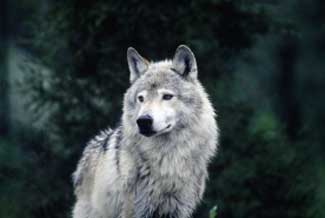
pixel 100 141
pixel 88 161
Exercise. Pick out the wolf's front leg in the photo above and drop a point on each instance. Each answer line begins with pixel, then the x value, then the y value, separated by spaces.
pixel 128 206
pixel 160 214
pixel 168 207
pixel 82 209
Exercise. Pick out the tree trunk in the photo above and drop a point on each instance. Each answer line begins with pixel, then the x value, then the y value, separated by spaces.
pixel 288 105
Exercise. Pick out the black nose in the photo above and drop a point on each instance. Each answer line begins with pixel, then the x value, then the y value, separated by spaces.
pixel 145 125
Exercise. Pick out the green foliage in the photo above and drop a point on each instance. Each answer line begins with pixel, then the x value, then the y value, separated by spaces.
pixel 271 125
pixel 29 176
pixel 12 169
pixel 213 212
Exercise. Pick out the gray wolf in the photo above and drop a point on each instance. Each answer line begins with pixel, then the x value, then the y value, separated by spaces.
pixel 155 163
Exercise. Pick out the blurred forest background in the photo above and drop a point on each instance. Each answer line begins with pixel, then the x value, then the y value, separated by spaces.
pixel 63 72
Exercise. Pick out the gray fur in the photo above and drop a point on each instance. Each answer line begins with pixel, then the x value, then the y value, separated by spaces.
pixel 125 174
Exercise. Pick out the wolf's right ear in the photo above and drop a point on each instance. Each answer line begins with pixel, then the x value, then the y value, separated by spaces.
pixel 137 64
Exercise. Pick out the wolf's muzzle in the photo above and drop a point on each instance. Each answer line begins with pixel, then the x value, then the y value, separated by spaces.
pixel 145 125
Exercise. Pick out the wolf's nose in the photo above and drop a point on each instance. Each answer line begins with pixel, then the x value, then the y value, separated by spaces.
pixel 145 124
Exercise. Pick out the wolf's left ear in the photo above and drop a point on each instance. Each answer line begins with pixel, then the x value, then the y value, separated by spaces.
pixel 184 62
pixel 137 64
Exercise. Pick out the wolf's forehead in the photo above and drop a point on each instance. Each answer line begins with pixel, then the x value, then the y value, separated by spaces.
pixel 160 66
pixel 160 80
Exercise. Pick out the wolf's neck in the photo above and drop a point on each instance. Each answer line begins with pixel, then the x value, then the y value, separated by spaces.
pixel 180 145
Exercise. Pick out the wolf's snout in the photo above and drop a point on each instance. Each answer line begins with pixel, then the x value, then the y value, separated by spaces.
pixel 145 125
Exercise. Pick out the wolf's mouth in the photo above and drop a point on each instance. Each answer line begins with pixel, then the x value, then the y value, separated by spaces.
pixel 165 130
pixel 149 133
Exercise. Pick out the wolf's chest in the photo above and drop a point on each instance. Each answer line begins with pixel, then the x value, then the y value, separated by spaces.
pixel 164 173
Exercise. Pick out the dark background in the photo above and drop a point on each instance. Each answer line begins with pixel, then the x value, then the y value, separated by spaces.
pixel 63 72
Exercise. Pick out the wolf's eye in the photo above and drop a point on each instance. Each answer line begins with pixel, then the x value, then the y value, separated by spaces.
pixel 167 96
pixel 140 98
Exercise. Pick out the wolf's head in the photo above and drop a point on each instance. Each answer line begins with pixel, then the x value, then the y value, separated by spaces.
pixel 164 96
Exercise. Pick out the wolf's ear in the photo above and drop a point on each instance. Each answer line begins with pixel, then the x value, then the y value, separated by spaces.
pixel 184 62
pixel 137 64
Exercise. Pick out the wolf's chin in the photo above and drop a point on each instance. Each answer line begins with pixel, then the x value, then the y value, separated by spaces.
pixel 148 133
